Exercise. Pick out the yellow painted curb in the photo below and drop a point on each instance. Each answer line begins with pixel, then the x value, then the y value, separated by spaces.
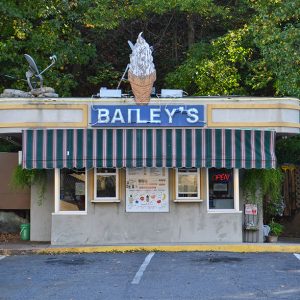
pixel 175 248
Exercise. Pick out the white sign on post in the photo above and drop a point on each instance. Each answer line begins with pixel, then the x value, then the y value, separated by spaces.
pixel 251 209
pixel 147 190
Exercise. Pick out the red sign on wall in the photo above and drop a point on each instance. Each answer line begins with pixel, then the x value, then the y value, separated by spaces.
pixel 221 177
pixel 251 209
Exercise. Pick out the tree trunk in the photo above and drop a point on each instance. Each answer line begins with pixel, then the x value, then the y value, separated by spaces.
pixel 175 43
pixel 191 30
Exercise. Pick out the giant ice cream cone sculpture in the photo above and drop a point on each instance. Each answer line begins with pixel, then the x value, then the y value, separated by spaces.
pixel 141 73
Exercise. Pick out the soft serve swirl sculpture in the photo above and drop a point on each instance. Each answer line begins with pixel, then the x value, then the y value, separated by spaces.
pixel 141 73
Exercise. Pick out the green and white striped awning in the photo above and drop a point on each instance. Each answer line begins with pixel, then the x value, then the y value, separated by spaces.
pixel 88 148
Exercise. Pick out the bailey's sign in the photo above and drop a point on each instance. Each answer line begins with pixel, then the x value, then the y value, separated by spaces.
pixel 152 115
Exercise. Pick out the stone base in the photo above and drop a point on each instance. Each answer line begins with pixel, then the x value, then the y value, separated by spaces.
pixel 40 93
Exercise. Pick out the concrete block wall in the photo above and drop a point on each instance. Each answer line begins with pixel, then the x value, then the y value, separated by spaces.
pixel 109 224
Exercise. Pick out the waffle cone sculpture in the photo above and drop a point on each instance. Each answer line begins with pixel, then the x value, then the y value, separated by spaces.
pixel 141 87
pixel 142 73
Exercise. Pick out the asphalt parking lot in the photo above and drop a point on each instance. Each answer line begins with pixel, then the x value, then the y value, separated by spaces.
pixel 154 275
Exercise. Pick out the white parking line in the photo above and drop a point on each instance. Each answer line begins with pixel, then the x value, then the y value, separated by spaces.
pixel 297 255
pixel 2 256
pixel 140 272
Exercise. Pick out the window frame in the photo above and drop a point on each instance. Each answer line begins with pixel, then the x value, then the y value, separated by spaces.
pixel 57 210
pixel 236 194
pixel 106 199
pixel 188 199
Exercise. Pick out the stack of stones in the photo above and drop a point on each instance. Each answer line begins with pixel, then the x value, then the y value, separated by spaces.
pixel 44 92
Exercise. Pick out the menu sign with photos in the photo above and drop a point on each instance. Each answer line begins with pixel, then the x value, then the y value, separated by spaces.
pixel 147 190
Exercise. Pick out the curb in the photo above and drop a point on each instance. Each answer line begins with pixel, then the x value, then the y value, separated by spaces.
pixel 240 248
pixel 9 252
pixel 175 248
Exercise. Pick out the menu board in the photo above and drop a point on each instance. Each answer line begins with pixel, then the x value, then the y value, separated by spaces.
pixel 147 190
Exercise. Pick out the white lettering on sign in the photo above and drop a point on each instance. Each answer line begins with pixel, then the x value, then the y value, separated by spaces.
pixel 155 113
pixel 118 116
pixel 138 118
pixel 103 115
pixel 193 115
pixel 129 115
pixel 170 114
pixel 121 115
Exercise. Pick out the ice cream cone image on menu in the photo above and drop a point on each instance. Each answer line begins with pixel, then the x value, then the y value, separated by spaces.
pixel 141 73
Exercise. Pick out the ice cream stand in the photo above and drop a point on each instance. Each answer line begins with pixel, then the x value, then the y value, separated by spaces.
pixel 145 170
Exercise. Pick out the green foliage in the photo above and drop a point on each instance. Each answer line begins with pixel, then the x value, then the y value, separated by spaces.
pixel 90 37
pixel 229 67
pixel 110 14
pixel 288 150
pixel 6 146
pixel 259 79
pixel 219 75
pixel 106 73
pixel 276 31
pixel 24 178
pixel 184 77
pixel 259 182
pixel 263 187
pixel 238 45
pixel 276 229
pixel 165 26
pixel 42 30
pixel 259 58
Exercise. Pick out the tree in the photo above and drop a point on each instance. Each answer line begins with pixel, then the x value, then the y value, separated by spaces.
pixel 171 27
pixel 259 58
pixel 207 47
pixel 229 65
pixel 90 37
pixel 41 30
pixel 276 31
pixel 288 150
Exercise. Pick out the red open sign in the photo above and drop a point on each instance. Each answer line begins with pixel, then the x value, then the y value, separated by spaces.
pixel 221 177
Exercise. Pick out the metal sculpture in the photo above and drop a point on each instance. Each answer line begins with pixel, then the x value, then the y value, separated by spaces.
pixel 33 75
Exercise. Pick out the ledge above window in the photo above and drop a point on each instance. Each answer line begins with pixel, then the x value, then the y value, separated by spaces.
pixel 106 201
pixel 71 213
pixel 187 200
pixel 223 211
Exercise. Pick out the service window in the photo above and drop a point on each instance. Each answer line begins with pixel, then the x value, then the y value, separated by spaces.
pixel 187 183
pixel 223 189
pixel 106 184
pixel 71 189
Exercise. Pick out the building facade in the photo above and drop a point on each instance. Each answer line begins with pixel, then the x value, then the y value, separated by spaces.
pixel 168 172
